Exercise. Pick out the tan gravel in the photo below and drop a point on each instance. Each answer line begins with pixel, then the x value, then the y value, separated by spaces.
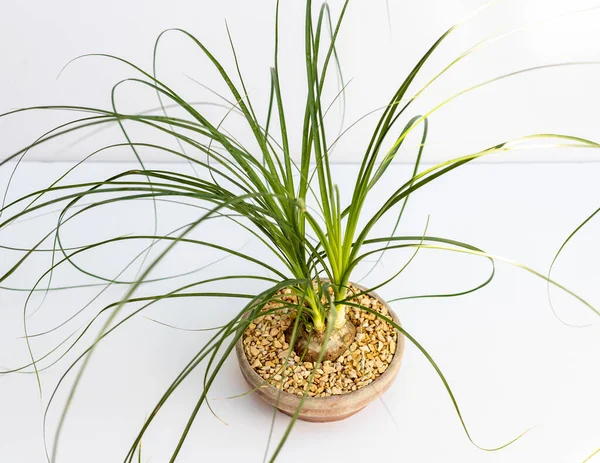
pixel 367 357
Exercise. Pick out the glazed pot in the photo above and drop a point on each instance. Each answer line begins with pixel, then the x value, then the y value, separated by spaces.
pixel 324 409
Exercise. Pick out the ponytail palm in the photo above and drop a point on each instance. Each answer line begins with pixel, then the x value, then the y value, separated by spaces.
pixel 290 204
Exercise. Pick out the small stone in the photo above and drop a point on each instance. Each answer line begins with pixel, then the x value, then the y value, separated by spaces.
pixel 254 351
pixel 328 369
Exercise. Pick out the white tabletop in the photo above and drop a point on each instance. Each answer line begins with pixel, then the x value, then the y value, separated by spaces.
pixel 511 364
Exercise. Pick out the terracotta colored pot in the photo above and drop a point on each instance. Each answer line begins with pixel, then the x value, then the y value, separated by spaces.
pixel 324 409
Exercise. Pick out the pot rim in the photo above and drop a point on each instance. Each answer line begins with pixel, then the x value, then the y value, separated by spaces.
pixel 269 389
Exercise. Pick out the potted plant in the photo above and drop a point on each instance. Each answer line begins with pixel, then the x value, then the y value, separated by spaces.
pixel 313 342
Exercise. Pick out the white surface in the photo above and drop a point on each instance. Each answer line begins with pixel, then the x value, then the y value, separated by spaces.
pixel 40 37
pixel 511 364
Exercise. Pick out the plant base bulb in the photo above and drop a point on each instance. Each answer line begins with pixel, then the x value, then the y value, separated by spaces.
pixel 309 345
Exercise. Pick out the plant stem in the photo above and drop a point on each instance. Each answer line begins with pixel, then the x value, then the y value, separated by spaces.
pixel 318 323
pixel 316 314
pixel 340 319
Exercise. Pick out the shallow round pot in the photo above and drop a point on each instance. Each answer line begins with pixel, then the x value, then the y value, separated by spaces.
pixel 324 409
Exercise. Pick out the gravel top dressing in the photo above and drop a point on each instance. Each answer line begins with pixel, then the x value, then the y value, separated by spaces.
pixel 367 357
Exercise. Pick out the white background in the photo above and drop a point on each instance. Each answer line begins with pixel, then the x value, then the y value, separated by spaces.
pixel 38 38
pixel 510 362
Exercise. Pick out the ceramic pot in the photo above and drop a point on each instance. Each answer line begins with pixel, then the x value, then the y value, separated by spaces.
pixel 325 409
